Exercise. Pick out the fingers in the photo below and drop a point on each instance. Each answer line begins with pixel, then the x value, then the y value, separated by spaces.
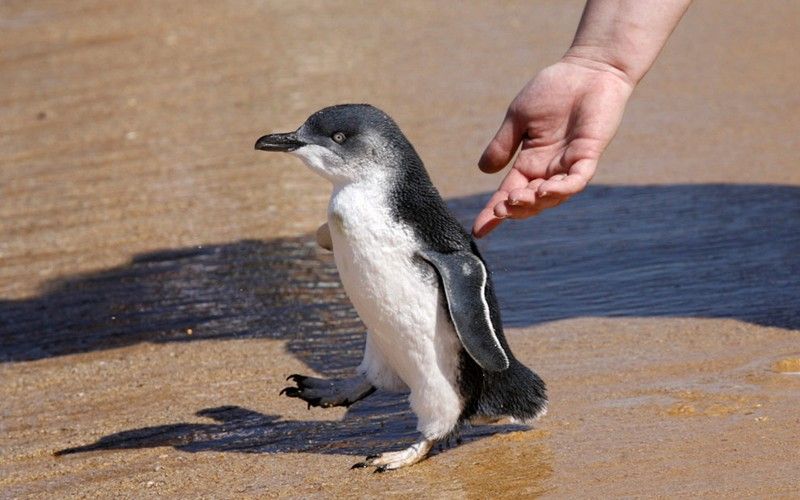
pixel 526 195
pixel 513 202
pixel 509 211
pixel 526 202
pixel 513 180
pixel 516 198
pixel 493 213
pixel 566 185
pixel 502 147
pixel 541 194
pixel 486 221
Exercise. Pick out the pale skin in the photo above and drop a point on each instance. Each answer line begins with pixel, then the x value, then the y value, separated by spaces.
pixel 565 117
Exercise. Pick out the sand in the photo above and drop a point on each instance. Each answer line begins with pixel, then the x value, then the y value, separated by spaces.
pixel 159 278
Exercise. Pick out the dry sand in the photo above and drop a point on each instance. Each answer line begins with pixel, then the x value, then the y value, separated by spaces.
pixel 158 278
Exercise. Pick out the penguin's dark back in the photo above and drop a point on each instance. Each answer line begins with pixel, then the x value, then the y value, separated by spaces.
pixel 517 391
pixel 417 203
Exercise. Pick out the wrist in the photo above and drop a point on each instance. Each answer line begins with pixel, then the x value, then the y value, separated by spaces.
pixel 624 37
pixel 599 59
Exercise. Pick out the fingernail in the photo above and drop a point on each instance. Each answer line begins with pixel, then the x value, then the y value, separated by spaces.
pixel 513 202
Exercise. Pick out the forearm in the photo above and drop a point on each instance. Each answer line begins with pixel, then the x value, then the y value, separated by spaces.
pixel 625 36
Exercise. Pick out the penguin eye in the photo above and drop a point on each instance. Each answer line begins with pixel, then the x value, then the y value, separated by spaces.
pixel 338 137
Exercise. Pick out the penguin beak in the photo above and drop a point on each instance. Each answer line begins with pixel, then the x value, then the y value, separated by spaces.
pixel 279 142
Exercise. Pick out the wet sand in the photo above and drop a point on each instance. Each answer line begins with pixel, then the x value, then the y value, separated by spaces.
pixel 159 280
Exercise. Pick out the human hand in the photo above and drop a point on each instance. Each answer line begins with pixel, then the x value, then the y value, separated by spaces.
pixel 564 119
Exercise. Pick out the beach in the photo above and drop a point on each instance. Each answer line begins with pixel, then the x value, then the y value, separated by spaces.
pixel 159 279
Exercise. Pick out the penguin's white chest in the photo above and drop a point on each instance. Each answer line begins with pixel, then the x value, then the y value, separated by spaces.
pixel 395 293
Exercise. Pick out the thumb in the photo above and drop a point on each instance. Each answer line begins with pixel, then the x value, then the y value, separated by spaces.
pixel 502 148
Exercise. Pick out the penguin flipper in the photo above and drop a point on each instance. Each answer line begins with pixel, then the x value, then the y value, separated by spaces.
pixel 463 277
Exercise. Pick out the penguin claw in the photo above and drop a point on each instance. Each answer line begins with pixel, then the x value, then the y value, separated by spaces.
pixel 368 460
pixel 362 465
pixel 326 393
pixel 291 392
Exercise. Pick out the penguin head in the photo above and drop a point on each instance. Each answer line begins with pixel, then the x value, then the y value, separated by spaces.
pixel 344 143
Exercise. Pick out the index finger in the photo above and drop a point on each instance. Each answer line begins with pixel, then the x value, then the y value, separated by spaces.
pixel 486 220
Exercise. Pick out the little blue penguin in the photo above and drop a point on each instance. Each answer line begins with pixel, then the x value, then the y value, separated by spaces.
pixel 416 279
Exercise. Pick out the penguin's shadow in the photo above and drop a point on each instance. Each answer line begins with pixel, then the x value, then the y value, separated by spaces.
pixel 363 431
pixel 715 251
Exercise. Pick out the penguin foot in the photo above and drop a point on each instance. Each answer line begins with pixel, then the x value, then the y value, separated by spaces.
pixel 326 393
pixel 392 460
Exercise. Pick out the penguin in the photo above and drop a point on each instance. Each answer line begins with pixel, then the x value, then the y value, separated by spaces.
pixel 417 281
